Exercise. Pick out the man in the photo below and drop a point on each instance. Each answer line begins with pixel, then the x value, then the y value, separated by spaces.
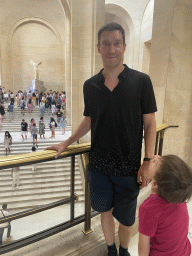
pixel 22 105
pixel 12 98
pixel 11 111
pixel 119 101
pixel 3 213
pixel 24 129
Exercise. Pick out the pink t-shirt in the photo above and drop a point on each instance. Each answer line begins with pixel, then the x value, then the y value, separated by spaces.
pixel 167 225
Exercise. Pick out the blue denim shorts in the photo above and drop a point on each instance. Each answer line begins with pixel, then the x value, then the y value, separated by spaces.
pixel 119 193
pixel 34 136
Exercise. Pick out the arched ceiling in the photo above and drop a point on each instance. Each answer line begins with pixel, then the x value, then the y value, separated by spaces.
pixel 50 10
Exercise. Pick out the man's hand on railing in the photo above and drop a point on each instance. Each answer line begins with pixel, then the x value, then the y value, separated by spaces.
pixel 59 148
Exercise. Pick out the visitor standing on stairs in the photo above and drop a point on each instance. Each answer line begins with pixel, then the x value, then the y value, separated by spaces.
pixel 34 131
pixel 31 125
pixel 24 129
pixel 41 128
pixel 22 105
pixel 52 126
pixel 119 104
pixel 15 175
pixel 3 213
pixel 7 142
pixel 34 166
pixel 10 108
pixel 2 113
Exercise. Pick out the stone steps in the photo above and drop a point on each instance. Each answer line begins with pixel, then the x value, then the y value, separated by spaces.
pixel 51 180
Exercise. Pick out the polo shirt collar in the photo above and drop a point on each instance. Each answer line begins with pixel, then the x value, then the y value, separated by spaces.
pixel 121 75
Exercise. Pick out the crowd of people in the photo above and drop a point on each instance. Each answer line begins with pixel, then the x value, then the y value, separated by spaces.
pixel 52 104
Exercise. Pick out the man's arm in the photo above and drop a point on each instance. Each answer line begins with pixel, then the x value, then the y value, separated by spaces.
pixel 83 129
pixel 144 245
pixel 149 138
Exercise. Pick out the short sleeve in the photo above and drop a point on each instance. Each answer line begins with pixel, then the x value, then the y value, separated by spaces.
pixel 148 218
pixel 148 102
pixel 86 100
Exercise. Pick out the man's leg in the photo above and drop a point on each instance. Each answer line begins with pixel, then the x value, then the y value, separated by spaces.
pixel 108 226
pixel 124 235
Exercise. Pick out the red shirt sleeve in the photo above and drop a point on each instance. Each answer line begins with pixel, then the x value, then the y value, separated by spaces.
pixel 149 213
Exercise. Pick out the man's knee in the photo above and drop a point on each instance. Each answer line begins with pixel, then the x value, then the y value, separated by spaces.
pixel 107 214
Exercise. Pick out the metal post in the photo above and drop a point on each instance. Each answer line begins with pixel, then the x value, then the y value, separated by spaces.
pixel 156 143
pixel 87 225
pixel 161 142
pixel 72 187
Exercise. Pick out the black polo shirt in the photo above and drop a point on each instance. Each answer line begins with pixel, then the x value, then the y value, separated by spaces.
pixel 117 121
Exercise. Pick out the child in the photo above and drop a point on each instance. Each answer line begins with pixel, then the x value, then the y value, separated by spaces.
pixel 64 123
pixel 53 106
pixel 31 125
pixel 34 166
pixel 22 105
pixel 59 115
pixel 163 216
pixel 34 133
pixel 41 128
pixel 7 142
pixel 52 127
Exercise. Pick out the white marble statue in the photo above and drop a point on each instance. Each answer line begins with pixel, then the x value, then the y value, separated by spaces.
pixel 35 67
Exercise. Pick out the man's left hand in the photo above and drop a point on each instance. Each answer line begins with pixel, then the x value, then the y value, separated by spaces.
pixel 143 176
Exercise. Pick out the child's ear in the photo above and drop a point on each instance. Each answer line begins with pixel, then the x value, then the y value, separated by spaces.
pixel 154 185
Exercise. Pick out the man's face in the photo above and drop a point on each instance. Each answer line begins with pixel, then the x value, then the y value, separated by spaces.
pixel 111 48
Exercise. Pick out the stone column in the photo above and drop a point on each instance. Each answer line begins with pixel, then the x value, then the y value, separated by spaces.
pixel 160 47
pixel 6 66
pixel 171 73
pixel 85 22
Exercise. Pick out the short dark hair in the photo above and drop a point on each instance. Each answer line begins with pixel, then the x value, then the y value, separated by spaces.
pixel 174 179
pixel 111 27
pixel 33 148
pixel 4 206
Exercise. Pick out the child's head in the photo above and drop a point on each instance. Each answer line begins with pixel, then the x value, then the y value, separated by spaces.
pixel 7 134
pixel 32 120
pixel 172 178
pixel 34 124
pixel 41 118
pixel 33 148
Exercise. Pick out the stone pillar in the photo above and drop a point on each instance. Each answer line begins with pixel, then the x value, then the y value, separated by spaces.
pixel 160 47
pixel 6 67
pixel 68 85
pixel 86 17
pixel 171 73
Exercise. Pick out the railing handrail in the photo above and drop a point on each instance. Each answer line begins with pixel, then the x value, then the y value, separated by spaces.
pixel 49 155
pixel 42 156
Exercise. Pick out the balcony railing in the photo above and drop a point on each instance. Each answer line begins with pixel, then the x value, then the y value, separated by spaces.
pixel 49 155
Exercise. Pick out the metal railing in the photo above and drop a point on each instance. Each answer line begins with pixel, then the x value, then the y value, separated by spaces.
pixel 49 155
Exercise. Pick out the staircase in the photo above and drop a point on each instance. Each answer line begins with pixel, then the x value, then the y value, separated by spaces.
pixel 50 181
